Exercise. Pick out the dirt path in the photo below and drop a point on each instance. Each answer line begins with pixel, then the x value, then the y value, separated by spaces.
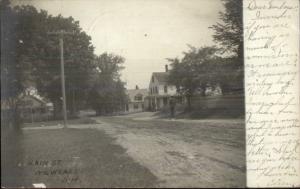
pixel 183 154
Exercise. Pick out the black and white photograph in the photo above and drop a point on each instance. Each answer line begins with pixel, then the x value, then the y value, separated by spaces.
pixel 122 93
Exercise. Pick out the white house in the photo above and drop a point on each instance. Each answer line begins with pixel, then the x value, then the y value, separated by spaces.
pixel 135 100
pixel 159 91
pixel 31 105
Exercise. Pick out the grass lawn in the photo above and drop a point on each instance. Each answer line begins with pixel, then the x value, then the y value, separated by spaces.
pixel 70 158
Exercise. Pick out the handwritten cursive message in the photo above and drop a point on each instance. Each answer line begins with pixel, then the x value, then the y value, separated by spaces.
pixel 271 34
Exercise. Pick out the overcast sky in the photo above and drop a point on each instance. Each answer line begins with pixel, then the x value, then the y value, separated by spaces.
pixel 144 32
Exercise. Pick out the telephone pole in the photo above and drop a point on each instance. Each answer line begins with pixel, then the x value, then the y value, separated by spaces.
pixel 62 67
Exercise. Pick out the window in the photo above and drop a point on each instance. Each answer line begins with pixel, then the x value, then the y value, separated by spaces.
pixel 166 89
pixel 156 90
pixel 135 106
pixel 165 101
pixel 138 97
pixel 152 79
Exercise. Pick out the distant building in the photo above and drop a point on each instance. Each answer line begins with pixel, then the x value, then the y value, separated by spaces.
pixel 32 107
pixel 135 100
pixel 159 91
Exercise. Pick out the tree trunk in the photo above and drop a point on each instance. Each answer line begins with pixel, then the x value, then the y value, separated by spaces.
pixel 203 90
pixel 17 121
pixel 189 104
pixel 14 115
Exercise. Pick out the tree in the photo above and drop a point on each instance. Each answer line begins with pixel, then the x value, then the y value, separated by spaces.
pixel 41 51
pixel 229 33
pixel 192 74
pixel 108 92
pixel 226 74
pixel 14 74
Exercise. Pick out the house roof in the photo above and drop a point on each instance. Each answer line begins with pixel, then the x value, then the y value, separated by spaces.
pixel 32 91
pixel 133 92
pixel 35 97
pixel 162 77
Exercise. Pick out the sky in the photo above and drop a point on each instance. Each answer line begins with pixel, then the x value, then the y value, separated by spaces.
pixel 144 32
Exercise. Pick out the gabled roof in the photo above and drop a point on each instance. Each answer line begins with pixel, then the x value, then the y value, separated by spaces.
pixel 32 92
pixel 34 98
pixel 133 92
pixel 162 77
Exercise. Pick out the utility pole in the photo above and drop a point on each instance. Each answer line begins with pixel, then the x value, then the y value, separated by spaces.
pixel 62 67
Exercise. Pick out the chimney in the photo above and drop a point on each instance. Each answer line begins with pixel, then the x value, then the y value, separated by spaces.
pixel 166 67
pixel 136 87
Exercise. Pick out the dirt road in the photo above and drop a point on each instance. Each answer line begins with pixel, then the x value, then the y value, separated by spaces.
pixel 183 153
